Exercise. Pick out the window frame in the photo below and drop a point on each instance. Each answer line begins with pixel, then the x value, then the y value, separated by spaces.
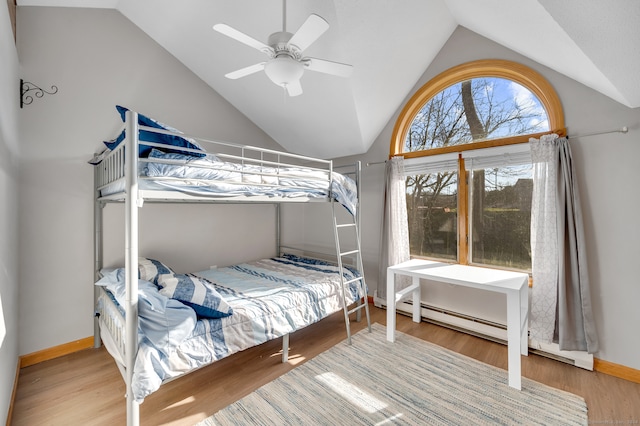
pixel 519 73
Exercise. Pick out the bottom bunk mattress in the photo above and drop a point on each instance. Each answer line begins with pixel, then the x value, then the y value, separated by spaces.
pixel 255 302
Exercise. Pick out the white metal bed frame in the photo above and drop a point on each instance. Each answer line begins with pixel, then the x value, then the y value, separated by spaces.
pixel 114 169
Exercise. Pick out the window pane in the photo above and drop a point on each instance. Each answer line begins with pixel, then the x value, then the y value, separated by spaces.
pixel 476 110
pixel 432 207
pixel 501 217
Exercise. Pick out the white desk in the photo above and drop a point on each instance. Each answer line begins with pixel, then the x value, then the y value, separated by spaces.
pixel 513 284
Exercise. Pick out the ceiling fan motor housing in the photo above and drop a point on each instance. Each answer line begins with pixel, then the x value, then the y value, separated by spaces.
pixel 280 43
pixel 285 66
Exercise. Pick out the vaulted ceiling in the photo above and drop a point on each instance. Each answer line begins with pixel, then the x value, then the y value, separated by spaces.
pixel 389 43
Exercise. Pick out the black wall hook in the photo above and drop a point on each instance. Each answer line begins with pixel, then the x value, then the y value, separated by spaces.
pixel 28 90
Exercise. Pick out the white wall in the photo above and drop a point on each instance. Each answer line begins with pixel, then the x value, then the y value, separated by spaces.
pixel 193 238
pixel 93 75
pixel 9 143
pixel 97 58
pixel 607 171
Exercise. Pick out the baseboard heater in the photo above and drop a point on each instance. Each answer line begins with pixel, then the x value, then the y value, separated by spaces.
pixel 489 330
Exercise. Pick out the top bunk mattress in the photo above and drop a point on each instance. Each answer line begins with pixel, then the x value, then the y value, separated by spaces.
pixel 209 177
pixel 170 162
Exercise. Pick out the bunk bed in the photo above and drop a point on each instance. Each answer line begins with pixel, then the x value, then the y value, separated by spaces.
pixel 158 324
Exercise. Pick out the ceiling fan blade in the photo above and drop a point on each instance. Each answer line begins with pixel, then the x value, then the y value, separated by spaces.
pixel 309 32
pixel 243 38
pixel 328 67
pixel 243 72
pixel 294 88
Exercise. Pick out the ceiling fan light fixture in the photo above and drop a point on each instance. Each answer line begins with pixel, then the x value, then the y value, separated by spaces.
pixel 283 70
pixel 286 62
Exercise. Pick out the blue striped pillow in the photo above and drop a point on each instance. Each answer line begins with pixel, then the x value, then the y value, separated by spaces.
pixel 148 270
pixel 151 269
pixel 167 140
pixel 195 292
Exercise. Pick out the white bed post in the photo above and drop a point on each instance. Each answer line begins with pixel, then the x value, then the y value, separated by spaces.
pixel 358 179
pixel 131 262
pixel 358 219
pixel 278 242
pixel 97 254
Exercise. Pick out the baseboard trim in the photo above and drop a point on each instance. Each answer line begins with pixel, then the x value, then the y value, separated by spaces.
pixel 55 352
pixel 68 348
pixel 599 365
pixel 617 370
pixel 602 366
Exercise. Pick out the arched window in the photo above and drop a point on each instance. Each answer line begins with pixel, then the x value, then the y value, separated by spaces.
pixel 464 136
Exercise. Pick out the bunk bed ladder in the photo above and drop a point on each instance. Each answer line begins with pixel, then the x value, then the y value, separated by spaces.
pixel 362 301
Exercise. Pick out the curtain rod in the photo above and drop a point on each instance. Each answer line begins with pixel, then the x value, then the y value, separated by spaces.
pixel 624 129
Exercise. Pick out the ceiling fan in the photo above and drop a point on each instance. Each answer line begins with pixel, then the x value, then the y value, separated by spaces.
pixel 286 64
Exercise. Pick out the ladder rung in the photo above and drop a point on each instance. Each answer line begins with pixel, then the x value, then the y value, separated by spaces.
pixel 357 308
pixel 353 280
pixel 346 253
pixel 344 225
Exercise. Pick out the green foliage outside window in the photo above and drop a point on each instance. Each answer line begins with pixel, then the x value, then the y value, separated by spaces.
pixel 500 197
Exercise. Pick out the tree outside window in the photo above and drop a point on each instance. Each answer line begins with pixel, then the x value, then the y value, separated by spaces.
pixel 479 210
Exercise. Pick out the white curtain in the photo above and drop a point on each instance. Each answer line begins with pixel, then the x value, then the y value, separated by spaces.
pixel 544 242
pixel 561 309
pixel 395 226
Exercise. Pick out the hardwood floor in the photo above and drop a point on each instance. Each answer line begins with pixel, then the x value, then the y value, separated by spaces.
pixel 85 388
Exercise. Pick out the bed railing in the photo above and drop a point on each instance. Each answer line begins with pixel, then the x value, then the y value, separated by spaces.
pixel 112 320
pixel 277 164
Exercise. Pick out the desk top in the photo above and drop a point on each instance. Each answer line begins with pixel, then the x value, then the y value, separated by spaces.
pixel 470 276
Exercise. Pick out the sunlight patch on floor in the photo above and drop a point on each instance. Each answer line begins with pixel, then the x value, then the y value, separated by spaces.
pixel 186 420
pixel 351 393
pixel 187 400
pixel 293 359
pixel 389 420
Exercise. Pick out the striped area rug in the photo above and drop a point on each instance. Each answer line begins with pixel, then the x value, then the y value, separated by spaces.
pixel 409 382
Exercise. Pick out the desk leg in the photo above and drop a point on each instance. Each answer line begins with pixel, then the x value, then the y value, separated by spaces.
pixel 513 339
pixel 417 314
pixel 391 306
pixel 524 319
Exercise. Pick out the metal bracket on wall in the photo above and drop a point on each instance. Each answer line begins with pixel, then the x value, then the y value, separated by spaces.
pixel 28 90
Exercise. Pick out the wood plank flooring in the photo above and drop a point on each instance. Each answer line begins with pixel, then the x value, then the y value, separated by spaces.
pixel 85 388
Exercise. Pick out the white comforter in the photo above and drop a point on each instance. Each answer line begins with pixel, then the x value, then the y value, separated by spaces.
pixel 208 176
